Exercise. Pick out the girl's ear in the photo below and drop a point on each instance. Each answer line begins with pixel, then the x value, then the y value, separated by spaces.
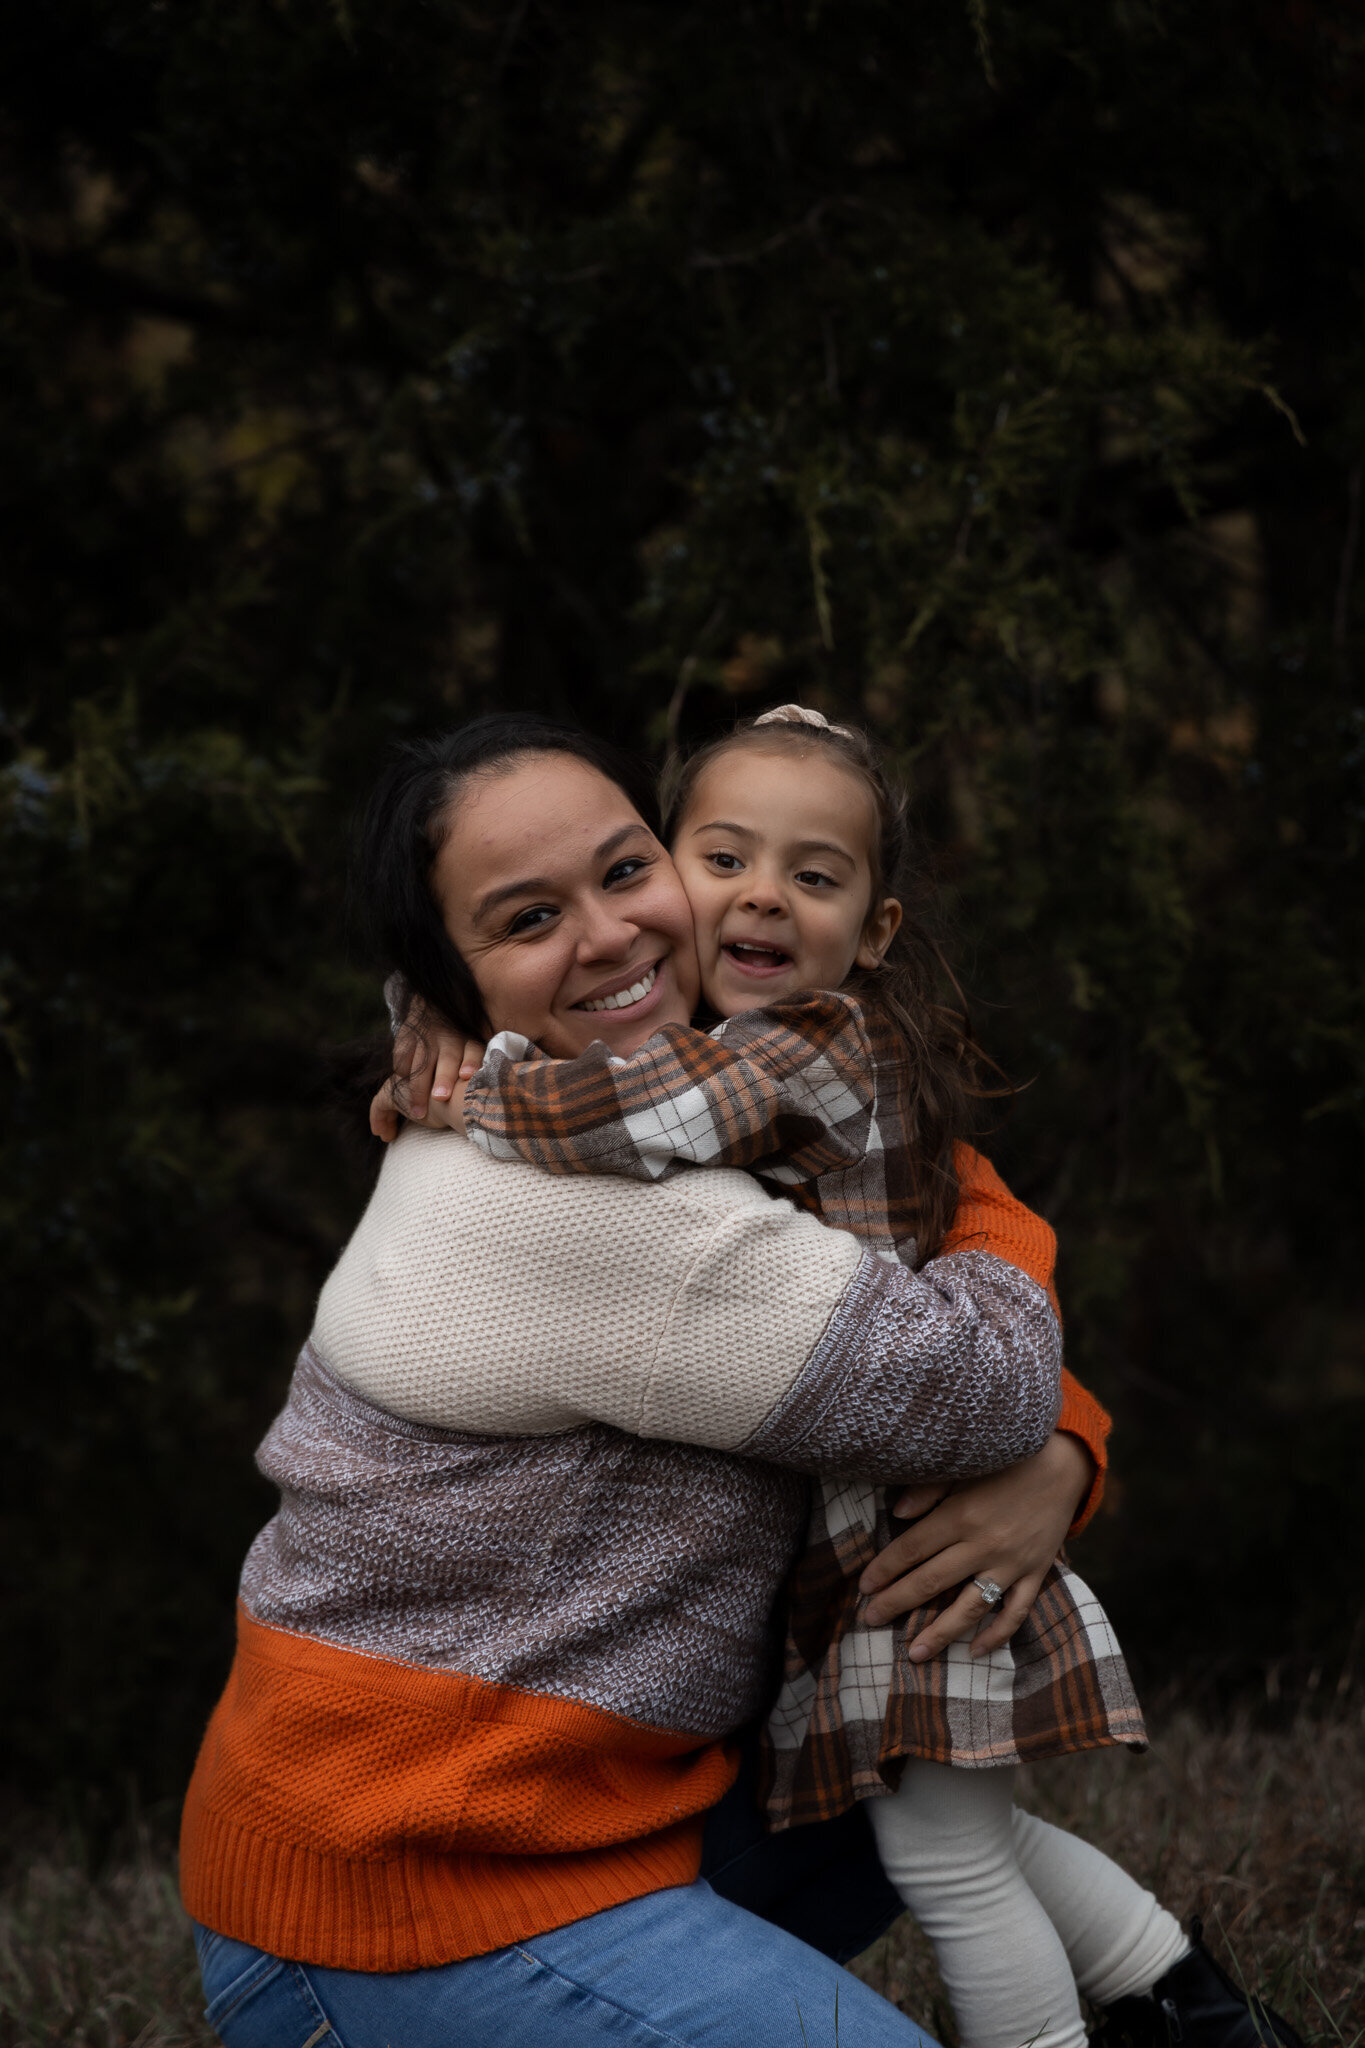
pixel 884 921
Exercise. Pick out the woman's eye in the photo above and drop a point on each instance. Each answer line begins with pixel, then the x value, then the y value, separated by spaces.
pixel 624 869
pixel 529 920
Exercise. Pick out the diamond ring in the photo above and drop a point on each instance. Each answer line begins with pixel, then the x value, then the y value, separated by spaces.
pixel 989 1591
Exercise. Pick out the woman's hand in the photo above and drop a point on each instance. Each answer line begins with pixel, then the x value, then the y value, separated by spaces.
pixel 1007 1527
pixel 431 1064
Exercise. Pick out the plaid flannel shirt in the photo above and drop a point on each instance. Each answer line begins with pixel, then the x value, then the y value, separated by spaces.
pixel 812 1096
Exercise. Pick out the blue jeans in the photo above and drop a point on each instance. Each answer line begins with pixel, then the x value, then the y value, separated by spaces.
pixel 679 1966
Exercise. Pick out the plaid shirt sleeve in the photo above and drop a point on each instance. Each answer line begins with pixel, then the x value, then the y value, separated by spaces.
pixel 788 1090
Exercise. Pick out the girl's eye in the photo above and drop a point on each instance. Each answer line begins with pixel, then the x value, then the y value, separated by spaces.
pixel 728 863
pixel 529 920
pixel 624 869
pixel 813 875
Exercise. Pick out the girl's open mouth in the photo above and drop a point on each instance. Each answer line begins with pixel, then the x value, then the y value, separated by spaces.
pixel 624 998
pixel 751 958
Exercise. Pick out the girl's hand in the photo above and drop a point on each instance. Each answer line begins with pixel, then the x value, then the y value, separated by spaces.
pixel 1007 1527
pixel 431 1063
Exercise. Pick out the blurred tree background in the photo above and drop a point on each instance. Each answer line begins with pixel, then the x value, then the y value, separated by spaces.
pixel 989 372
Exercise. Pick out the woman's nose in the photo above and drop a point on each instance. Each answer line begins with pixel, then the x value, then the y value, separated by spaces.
pixel 605 935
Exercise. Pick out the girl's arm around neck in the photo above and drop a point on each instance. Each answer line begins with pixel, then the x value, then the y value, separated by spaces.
pixel 787 1089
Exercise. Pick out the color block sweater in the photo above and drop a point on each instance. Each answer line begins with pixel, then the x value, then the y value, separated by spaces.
pixel 543 1468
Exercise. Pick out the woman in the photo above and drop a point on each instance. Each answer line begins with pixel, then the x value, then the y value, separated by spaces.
pixel 543 1469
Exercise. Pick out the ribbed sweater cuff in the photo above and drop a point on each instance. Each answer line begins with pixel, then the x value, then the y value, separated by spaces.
pixel 1082 1416
pixel 415 1912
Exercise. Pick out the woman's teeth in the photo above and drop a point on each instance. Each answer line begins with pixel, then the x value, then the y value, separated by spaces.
pixel 624 997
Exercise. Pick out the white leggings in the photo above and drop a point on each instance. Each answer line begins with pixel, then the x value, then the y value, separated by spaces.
pixel 1020 1914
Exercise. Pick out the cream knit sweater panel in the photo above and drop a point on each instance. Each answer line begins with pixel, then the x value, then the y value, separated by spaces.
pixel 491 1297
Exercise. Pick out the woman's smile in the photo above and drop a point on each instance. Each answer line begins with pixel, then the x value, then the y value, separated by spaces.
pixel 627 996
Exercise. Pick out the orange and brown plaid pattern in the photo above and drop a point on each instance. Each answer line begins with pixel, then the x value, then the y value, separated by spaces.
pixel 811 1095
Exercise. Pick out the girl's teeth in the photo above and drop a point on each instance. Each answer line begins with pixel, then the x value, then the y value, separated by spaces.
pixel 625 996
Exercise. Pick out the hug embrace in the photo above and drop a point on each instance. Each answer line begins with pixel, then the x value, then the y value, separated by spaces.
pixel 682 1318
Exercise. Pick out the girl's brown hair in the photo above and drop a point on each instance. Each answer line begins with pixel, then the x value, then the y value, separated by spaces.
pixel 945 1068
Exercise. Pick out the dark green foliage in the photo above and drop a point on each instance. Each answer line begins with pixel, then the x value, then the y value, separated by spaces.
pixel 991 373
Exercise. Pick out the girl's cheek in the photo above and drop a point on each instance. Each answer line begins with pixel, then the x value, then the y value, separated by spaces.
pixel 705 912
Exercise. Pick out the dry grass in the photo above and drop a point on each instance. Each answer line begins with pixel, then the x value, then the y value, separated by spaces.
pixel 1262 1833
pixel 101 1961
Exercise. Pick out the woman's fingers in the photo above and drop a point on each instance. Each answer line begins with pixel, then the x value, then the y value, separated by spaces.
pixel 902 1554
pixel 917 1500
pixel 943 1528
pixel 1009 1614
pixel 966 1614
pixel 939 1575
pixel 963 1618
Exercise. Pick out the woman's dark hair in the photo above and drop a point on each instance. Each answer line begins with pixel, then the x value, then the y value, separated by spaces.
pixel 945 1068
pixel 404 826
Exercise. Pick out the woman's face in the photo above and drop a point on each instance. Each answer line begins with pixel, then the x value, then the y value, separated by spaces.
pixel 566 907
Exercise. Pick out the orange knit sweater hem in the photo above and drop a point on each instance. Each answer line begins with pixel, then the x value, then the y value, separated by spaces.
pixel 367 1815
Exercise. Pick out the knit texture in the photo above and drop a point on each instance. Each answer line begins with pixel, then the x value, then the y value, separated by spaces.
pixel 627 1575
pixel 353 1812
pixel 688 1310
pixel 683 1310
pixel 492 1643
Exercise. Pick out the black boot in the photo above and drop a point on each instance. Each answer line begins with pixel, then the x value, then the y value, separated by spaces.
pixel 1195 2005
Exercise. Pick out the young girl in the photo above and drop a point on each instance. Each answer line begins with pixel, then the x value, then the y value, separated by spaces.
pixel 845 1091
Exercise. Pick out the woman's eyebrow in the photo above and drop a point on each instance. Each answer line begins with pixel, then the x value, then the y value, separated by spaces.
pixel 537 884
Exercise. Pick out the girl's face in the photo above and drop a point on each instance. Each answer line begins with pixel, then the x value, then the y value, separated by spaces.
pixel 566 907
pixel 775 852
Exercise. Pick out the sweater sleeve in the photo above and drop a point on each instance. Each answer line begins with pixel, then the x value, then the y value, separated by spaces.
pixel 500 1300
pixel 946 1373
pixel 788 1090
pixel 991 1218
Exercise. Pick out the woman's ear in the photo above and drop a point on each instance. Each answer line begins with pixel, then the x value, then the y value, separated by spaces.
pixel 884 921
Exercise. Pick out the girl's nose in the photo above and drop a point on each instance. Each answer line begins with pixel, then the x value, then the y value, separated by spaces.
pixel 764 895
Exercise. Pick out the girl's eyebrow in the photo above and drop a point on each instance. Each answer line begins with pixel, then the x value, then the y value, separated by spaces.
pixel 825 846
pixel 801 845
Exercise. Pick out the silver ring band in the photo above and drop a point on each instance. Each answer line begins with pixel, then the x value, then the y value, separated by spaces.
pixel 989 1591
